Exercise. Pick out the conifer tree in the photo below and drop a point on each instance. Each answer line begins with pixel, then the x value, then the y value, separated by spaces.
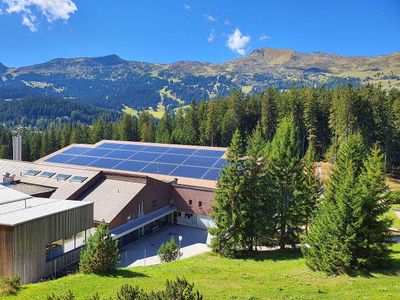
pixel 348 232
pixel 164 129
pixel 226 210
pixel 285 173
pixel 101 253
pixel 269 113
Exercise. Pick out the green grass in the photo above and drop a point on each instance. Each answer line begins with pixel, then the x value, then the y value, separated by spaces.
pixel 264 276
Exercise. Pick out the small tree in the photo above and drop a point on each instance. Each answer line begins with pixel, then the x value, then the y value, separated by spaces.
pixel 169 251
pixel 101 254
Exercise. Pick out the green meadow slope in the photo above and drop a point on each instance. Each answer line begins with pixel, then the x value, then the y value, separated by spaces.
pixel 264 276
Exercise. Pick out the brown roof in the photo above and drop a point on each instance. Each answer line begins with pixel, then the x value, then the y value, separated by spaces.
pixel 110 197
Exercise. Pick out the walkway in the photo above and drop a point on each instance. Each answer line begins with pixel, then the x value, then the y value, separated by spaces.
pixel 143 252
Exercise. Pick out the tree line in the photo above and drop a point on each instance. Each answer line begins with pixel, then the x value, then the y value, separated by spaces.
pixel 322 117
pixel 269 196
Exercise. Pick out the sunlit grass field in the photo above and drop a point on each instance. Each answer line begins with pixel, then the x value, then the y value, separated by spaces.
pixel 279 275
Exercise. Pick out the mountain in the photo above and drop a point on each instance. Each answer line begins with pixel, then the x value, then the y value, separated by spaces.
pixel 112 82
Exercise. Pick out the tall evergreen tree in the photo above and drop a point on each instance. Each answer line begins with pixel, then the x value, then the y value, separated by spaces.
pixel 228 196
pixel 348 232
pixel 285 173
pixel 269 113
pixel 164 129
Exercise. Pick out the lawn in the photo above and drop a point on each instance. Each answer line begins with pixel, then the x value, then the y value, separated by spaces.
pixel 264 276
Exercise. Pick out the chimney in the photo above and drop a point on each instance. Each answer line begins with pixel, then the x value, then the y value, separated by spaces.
pixel 17 147
pixel 8 178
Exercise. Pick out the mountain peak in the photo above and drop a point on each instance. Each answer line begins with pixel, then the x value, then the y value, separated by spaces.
pixel 109 60
pixel 3 68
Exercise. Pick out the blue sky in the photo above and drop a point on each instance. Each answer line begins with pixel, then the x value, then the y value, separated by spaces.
pixel 34 31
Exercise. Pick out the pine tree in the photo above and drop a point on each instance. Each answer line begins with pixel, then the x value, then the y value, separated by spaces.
pixel 269 113
pixel 285 173
pixel 101 253
pixel 126 130
pixel 348 232
pixel 312 186
pixel 211 124
pixel 229 193
pixel 373 231
pixel 164 129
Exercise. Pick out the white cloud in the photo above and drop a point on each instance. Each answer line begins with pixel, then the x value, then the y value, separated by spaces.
pixel 237 42
pixel 211 36
pixel 29 21
pixel 51 9
pixel 227 22
pixel 264 37
pixel 187 7
pixel 210 18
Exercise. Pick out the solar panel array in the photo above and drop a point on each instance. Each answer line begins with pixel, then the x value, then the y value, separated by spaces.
pixel 165 160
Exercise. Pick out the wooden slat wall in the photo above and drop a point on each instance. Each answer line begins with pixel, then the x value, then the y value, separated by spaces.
pixel 30 240
pixel 6 258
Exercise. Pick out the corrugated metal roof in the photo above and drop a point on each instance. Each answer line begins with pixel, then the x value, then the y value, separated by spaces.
pixel 111 196
pixel 29 209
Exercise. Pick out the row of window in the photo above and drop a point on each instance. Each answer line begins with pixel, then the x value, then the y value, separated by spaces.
pixel 60 247
pixel 191 204
pixel 58 177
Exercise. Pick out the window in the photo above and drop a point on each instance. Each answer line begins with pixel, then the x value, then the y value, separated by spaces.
pixel 190 203
pixel 188 216
pixel 62 177
pixel 54 250
pixel 78 179
pixel 154 203
pixel 47 174
pixel 32 172
pixel 200 204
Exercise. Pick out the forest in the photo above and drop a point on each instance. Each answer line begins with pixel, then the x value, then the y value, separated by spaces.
pixel 323 117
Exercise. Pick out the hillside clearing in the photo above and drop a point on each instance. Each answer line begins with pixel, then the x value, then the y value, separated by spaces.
pixel 265 276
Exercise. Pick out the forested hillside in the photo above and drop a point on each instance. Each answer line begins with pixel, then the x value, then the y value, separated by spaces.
pixel 40 112
pixel 111 82
pixel 323 117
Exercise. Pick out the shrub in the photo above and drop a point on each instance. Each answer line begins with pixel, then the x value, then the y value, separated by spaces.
pixel 9 285
pixel 68 296
pixel 101 254
pixel 180 289
pixel 169 251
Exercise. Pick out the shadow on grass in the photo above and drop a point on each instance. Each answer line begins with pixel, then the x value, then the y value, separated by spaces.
pixel 124 273
pixel 275 255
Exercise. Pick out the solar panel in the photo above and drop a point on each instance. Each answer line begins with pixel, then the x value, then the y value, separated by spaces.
pixel 158 149
pixel 153 159
pixel 75 150
pixel 186 171
pixel 172 158
pixel 212 174
pixel 186 151
pixel 82 160
pixel 212 153
pixel 60 158
pixel 220 163
pixel 145 156
pixel 134 166
pixel 121 154
pixel 110 145
pixel 200 161
pixel 106 163
pixel 97 152
pixel 158 168
pixel 132 147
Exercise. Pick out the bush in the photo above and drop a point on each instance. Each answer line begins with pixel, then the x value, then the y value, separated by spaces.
pixel 101 254
pixel 68 296
pixel 169 251
pixel 9 285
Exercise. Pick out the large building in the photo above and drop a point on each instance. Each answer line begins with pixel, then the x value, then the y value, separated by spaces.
pixel 135 187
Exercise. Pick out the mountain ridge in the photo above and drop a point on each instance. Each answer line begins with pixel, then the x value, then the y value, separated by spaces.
pixel 113 82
